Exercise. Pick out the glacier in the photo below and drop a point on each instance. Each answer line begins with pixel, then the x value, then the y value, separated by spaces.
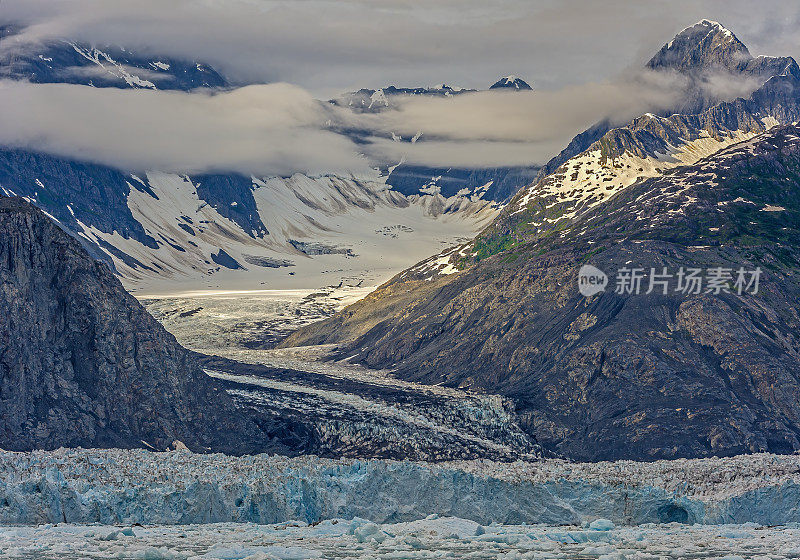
pixel 80 486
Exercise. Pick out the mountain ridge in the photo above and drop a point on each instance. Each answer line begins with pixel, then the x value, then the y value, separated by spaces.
pixel 84 365
pixel 619 376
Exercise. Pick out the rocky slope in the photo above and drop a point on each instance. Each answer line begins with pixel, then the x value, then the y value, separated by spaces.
pixel 705 55
pixel 602 161
pixel 620 375
pixel 83 364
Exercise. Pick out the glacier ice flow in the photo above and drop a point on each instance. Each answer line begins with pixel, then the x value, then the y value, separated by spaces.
pixel 136 486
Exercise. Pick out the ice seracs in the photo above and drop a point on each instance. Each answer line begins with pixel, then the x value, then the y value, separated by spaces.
pixel 136 486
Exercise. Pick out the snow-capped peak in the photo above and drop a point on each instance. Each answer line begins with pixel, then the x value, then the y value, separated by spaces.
pixel 711 25
pixel 512 82
pixel 705 43
pixel 714 24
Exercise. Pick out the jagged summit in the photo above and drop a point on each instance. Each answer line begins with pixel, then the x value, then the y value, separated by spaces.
pixel 705 44
pixel 710 46
pixel 511 82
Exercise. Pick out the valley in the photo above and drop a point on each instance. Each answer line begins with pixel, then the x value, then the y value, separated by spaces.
pixel 247 319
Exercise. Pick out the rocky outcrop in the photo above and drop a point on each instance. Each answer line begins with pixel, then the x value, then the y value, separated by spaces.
pixel 621 375
pixel 83 364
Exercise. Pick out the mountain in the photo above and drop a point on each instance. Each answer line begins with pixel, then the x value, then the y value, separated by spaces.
pixel 73 62
pixel 497 184
pixel 620 375
pixel 201 231
pixel 705 54
pixel 376 100
pixel 511 82
pixel 82 364
pixel 157 229
pixel 708 45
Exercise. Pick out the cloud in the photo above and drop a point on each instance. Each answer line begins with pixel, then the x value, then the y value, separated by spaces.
pixel 280 129
pixel 567 49
pixel 275 129
pixel 330 46
pixel 510 128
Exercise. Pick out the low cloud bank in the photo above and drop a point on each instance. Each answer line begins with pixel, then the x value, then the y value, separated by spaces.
pixel 280 129
pixel 275 129
pixel 510 128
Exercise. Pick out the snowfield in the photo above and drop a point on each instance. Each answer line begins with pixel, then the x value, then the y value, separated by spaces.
pixel 321 231
pixel 135 486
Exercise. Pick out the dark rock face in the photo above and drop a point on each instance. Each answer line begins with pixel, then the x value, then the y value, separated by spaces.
pixel 232 196
pixel 71 191
pixel 83 364
pixel 619 375
pixel 224 259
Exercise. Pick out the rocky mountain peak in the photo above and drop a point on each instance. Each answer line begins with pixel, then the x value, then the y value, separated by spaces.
pixel 706 44
pixel 511 82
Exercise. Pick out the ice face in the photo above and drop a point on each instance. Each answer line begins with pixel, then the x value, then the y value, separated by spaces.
pixel 135 486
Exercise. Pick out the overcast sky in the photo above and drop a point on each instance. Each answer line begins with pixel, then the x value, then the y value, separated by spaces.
pixel 577 54
pixel 330 46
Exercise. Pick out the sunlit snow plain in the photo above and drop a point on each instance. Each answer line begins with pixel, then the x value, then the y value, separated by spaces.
pixel 217 322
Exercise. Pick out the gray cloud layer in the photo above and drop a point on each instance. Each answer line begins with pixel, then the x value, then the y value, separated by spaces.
pixel 568 49
pixel 328 46
pixel 280 129
pixel 275 129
